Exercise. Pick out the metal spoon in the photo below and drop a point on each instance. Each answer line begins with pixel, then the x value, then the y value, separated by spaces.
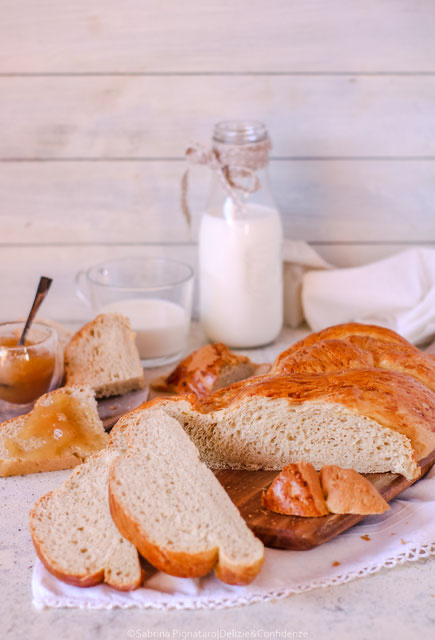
pixel 41 292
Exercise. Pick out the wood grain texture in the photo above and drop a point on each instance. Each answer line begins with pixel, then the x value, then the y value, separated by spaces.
pixel 291 532
pixel 217 35
pixel 21 266
pixel 157 117
pixel 347 90
pixel 321 201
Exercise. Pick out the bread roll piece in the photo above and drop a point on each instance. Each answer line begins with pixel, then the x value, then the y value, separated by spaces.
pixel 356 346
pixel 208 369
pixel 173 509
pixel 371 420
pixel 103 355
pixel 346 491
pixel 296 492
pixel 74 535
pixel 52 436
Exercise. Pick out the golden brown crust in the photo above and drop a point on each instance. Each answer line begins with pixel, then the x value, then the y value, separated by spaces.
pixel 296 491
pixel 317 354
pixel 323 356
pixel 347 491
pixel 343 332
pixel 88 580
pixel 182 565
pixel 204 370
pixel 395 401
pixel 17 467
pixel 236 574
pixel 85 579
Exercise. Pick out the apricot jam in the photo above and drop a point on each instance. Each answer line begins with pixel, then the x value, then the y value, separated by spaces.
pixel 26 373
pixel 58 427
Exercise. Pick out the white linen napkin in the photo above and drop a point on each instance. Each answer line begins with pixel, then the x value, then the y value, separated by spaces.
pixel 298 258
pixel 397 292
pixel 406 532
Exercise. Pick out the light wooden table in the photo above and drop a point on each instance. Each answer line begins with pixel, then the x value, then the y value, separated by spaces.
pixel 396 603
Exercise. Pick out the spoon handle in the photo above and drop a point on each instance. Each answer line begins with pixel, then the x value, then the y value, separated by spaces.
pixel 41 292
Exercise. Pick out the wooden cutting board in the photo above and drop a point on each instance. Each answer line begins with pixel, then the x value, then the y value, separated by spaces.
pixel 292 532
pixel 113 408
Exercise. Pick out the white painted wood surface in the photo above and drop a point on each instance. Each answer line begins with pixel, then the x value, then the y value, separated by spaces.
pixel 98 100
pixel 40 36
pixel 157 116
pixel 138 201
pixel 26 263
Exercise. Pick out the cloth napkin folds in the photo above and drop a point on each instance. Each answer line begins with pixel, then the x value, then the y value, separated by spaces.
pixel 397 292
pixel 406 532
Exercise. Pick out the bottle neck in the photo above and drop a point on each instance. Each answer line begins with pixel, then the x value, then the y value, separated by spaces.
pixel 251 156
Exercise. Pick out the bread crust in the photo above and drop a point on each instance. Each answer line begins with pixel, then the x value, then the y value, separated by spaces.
pixel 77 580
pixel 321 357
pixel 296 491
pixel 236 574
pixel 85 579
pixel 17 467
pixel 182 565
pixel 176 563
pixel 343 332
pixel 204 371
pixel 21 466
pixel 342 349
pixel 103 388
pixel 392 399
pixel 347 491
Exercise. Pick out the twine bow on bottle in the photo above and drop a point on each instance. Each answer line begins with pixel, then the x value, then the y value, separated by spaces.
pixel 234 165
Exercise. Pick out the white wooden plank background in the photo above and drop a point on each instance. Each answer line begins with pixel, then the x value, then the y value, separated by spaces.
pixel 125 201
pixel 155 117
pixel 62 262
pixel 40 36
pixel 98 100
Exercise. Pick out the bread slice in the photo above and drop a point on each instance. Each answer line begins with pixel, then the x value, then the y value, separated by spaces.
pixel 208 369
pixel 74 535
pixel 346 491
pixel 62 430
pixel 103 355
pixel 173 509
pixel 296 492
pixel 371 420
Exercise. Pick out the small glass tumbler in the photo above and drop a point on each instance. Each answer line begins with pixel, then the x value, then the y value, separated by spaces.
pixel 28 371
pixel 155 293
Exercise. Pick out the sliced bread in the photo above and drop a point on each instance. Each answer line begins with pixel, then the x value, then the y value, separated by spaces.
pixel 74 535
pixel 173 509
pixel 296 492
pixel 103 355
pixel 371 420
pixel 346 491
pixel 208 369
pixel 62 430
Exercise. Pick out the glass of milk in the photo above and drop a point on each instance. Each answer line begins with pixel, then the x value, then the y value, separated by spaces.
pixel 240 244
pixel 155 293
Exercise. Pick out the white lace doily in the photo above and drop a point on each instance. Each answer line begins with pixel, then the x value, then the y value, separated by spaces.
pixel 405 533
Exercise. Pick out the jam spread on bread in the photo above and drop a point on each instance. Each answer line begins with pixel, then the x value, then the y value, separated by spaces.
pixel 59 426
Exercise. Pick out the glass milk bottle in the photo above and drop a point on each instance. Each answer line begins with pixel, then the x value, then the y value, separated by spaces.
pixel 240 242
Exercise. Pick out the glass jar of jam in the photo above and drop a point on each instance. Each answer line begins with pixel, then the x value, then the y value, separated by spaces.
pixel 28 371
